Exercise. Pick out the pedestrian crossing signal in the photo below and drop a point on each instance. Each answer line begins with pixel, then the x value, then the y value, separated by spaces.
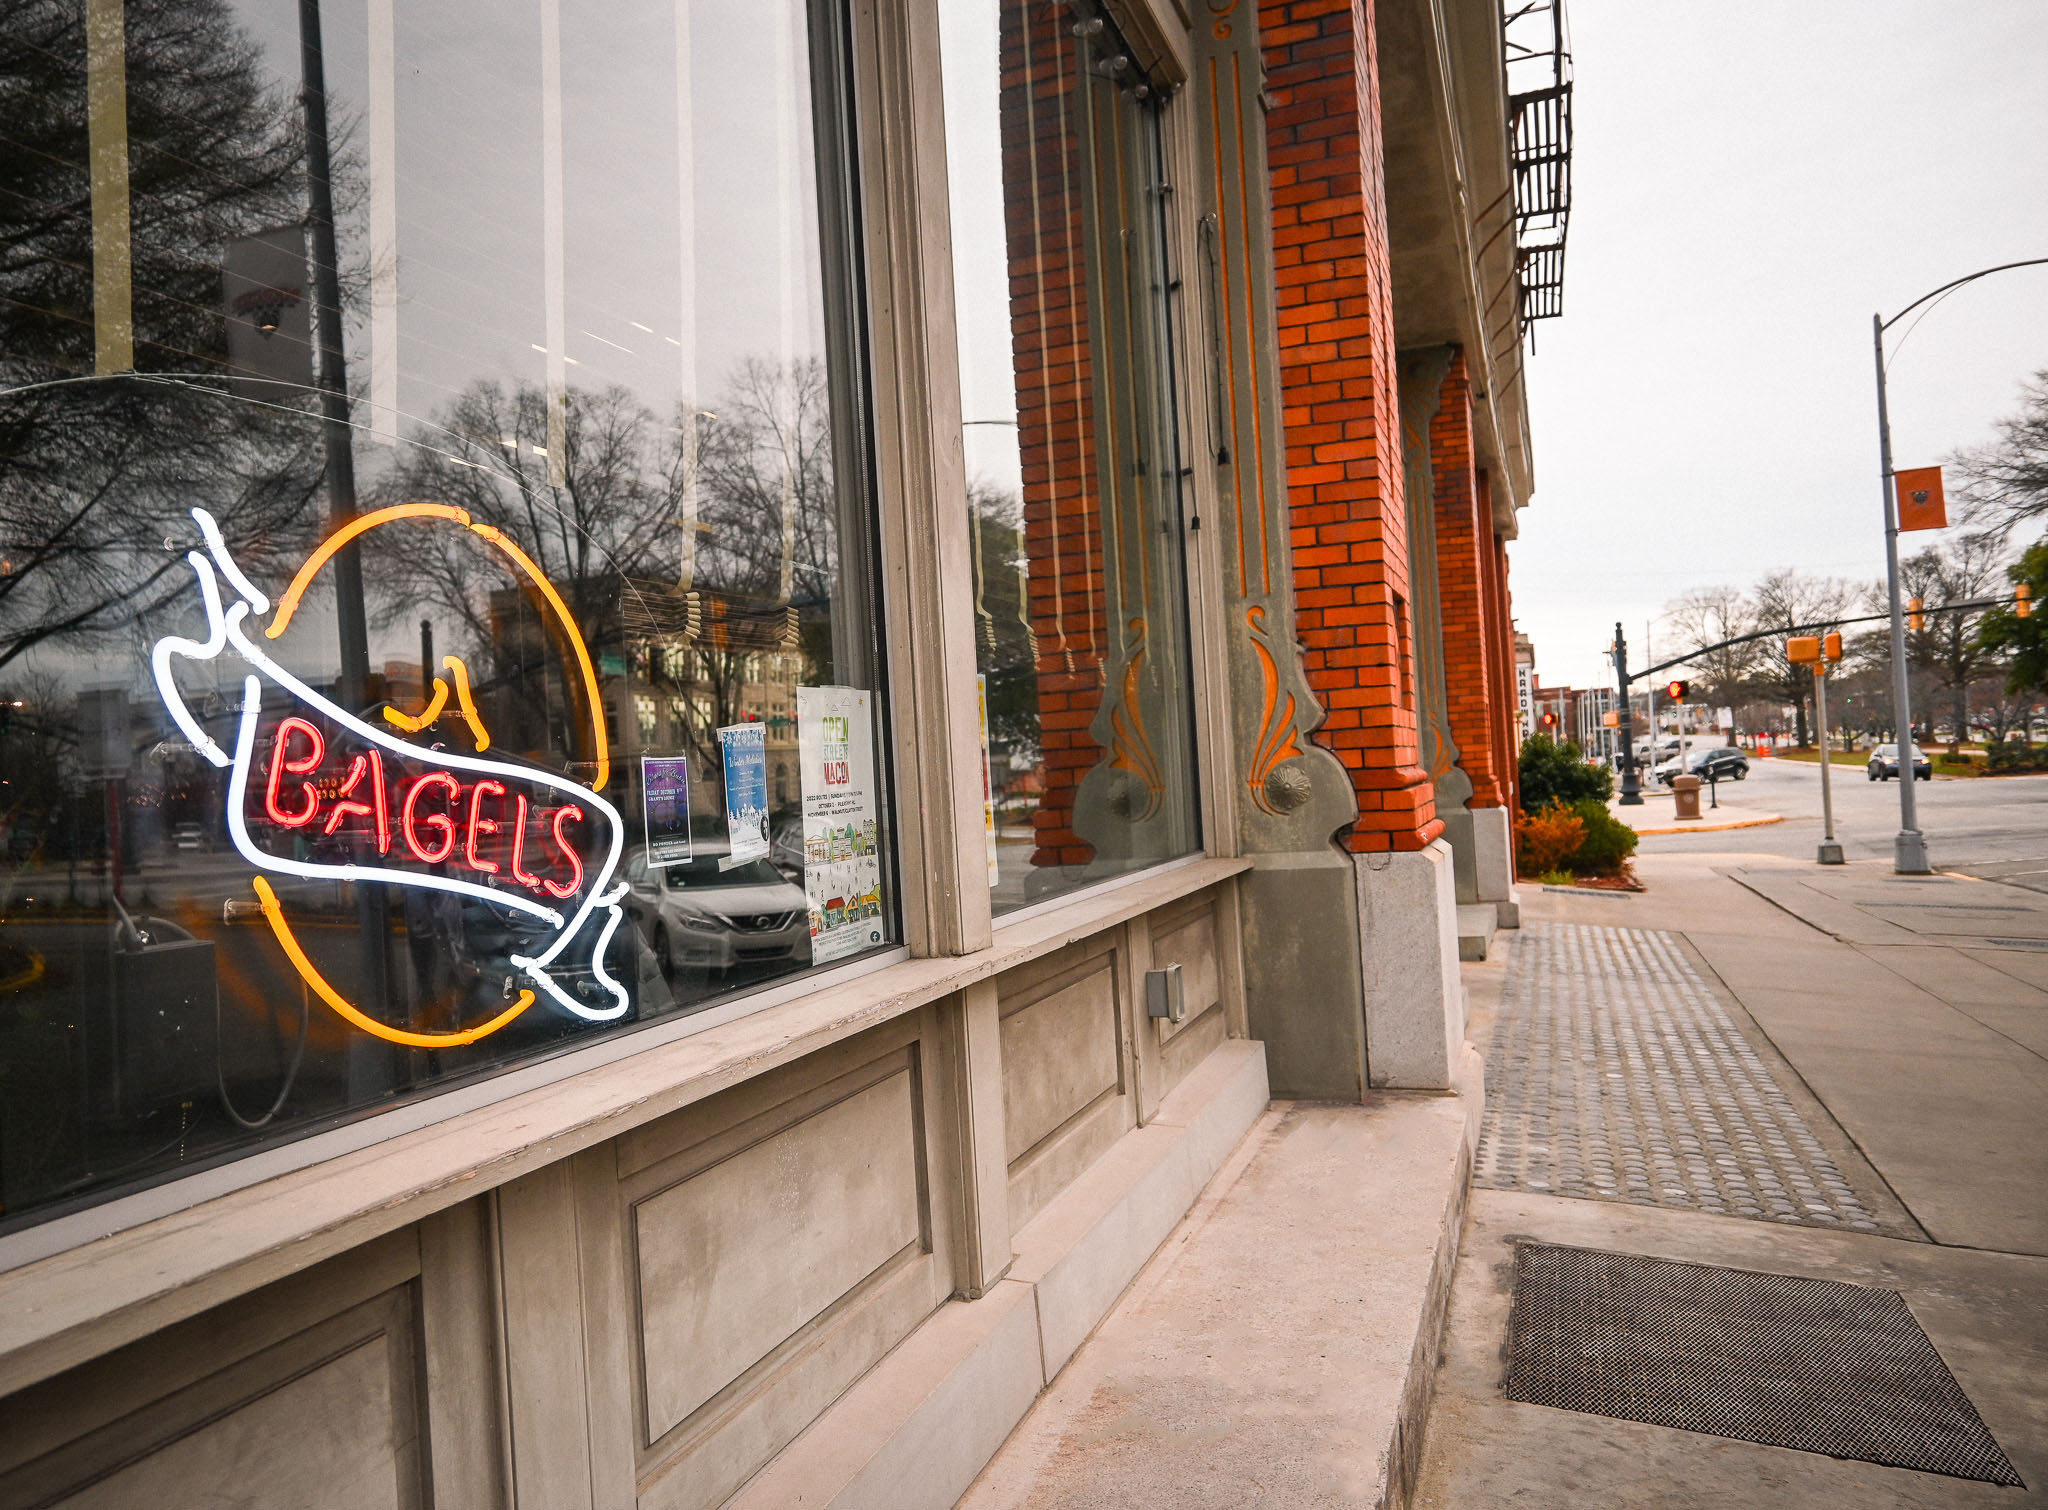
pixel 1676 690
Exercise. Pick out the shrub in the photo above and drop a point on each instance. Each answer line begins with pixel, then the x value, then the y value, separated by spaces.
pixel 1608 843
pixel 1553 772
pixel 1547 840
pixel 2011 755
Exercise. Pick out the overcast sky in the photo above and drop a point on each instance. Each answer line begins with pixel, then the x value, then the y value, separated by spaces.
pixel 1750 182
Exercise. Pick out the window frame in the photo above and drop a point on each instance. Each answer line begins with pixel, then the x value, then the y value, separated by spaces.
pixel 843 188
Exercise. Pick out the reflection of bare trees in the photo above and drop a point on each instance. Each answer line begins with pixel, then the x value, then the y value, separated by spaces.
pixel 758 469
pixel 91 472
pixel 763 476
pixel 1005 646
pixel 487 455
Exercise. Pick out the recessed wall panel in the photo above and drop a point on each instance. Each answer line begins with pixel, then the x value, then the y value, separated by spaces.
pixel 1059 1054
pixel 324 1441
pixel 733 1260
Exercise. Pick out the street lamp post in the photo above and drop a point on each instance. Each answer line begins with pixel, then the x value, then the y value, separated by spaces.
pixel 1909 849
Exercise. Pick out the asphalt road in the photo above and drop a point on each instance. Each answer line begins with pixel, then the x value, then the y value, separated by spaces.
pixel 1968 821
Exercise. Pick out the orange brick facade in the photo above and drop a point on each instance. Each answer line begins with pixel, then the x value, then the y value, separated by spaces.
pixel 1501 648
pixel 1335 322
pixel 1470 563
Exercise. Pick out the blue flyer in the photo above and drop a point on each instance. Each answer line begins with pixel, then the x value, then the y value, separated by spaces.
pixel 745 751
pixel 665 806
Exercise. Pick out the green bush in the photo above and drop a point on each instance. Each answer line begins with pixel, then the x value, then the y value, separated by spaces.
pixel 1553 772
pixel 2011 755
pixel 1608 843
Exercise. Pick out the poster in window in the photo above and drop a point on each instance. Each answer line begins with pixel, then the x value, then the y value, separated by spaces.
pixel 665 807
pixel 988 784
pixel 842 860
pixel 744 748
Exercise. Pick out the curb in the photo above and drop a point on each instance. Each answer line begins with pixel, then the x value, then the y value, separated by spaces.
pixel 1704 826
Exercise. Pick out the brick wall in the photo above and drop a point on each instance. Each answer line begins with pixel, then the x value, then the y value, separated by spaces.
pixel 1464 550
pixel 1341 415
pixel 1043 180
pixel 1501 649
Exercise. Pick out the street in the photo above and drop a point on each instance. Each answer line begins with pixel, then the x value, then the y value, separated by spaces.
pixel 1967 820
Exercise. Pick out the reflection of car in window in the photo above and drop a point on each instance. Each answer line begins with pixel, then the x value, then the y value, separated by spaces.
pixel 696 915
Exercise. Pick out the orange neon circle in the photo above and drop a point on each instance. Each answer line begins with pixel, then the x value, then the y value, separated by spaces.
pixel 289 603
pixel 273 909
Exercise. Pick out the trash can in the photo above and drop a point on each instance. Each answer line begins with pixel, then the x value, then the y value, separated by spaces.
pixel 1687 790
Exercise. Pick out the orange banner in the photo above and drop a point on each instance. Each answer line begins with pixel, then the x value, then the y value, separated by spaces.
pixel 1921 504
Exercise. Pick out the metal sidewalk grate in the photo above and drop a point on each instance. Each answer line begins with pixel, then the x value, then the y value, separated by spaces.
pixel 1809 1364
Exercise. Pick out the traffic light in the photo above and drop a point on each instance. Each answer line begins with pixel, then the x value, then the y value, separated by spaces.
pixel 1676 690
pixel 1915 619
pixel 2023 601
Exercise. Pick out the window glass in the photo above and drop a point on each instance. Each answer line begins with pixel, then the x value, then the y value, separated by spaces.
pixel 432 486
pixel 1065 317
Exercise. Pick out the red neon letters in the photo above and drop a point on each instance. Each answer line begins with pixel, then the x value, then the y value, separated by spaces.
pixel 441 823
pixel 351 805
pixel 478 824
pixel 562 815
pixel 519 872
pixel 436 813
pixel 280 762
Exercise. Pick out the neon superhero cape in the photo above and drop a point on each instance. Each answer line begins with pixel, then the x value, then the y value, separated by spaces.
pixel 510 834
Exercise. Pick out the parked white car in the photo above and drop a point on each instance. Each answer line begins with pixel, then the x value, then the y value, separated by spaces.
pixel 696 915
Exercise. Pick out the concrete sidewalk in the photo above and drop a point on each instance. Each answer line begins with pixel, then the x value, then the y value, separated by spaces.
pixel 1900 1143
pixel 1753 1064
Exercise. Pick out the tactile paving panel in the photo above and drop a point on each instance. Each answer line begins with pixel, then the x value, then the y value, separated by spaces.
pixel 1810 1364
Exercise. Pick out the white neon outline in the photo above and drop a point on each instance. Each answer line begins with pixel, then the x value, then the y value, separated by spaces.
pixel 215 642
pixel 226 629
pixel 218 545
pixel 238 829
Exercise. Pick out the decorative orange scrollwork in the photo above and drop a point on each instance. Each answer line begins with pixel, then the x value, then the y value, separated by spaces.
pixel 1277 741
pixel 1130 745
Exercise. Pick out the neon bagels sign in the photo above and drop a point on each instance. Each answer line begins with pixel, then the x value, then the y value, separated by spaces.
pixel 337 797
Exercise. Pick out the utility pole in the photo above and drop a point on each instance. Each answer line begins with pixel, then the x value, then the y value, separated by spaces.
pixel 1909 849
pixel 1830 850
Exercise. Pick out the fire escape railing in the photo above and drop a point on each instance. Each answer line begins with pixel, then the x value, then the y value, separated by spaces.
pixel 1539 150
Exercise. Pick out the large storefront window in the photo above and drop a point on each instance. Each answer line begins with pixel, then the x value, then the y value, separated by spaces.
pixel 437 614
pixel 1065 306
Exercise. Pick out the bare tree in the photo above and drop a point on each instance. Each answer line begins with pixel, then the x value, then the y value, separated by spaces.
pixel 1790 600
pixel 2005 482
pixel 1948 648
pixel 1705 616
pixel 96 468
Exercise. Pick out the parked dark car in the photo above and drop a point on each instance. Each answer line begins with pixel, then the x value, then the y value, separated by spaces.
pixel 1718 764
pixel 1884 764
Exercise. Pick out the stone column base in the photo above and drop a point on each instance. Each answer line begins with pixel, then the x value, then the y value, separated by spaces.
pixel 1414 999
pixel 1493 853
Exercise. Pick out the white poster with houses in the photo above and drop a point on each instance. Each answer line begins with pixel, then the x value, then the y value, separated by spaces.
pixel 842 865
